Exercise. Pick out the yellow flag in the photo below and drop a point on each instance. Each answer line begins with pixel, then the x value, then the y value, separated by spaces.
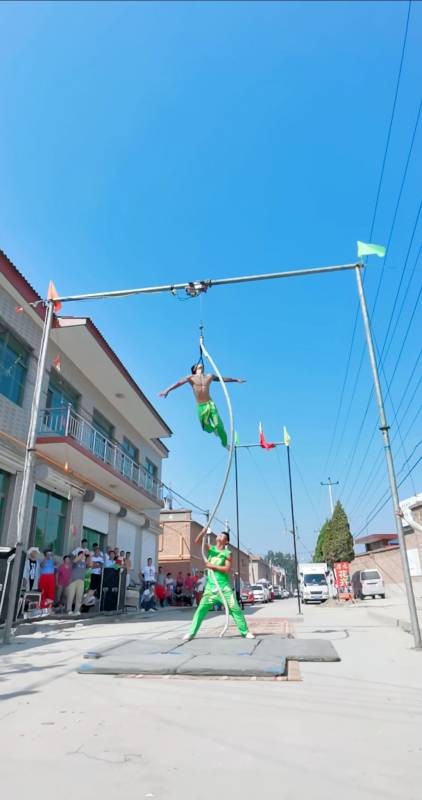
pixel 286 436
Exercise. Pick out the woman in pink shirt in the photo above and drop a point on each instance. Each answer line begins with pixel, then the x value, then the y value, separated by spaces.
pixel 63 578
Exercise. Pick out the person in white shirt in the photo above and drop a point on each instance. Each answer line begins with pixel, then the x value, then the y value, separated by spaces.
pixel 149 573
pixel 148 599
pixel 97 560
pixel 83 546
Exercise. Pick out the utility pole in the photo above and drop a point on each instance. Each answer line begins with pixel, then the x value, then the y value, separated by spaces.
pixel 27 489
pixel 293 527
pixel 330 484
pixel 236 483
pixel 385 431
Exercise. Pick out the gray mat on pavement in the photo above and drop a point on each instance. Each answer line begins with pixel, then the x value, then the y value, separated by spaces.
pixel 232 656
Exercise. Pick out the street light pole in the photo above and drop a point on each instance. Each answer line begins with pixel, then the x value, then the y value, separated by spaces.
pixel 330 484
pixel 385 431
pixel 236 483
pixel 293 526
pixel 26 493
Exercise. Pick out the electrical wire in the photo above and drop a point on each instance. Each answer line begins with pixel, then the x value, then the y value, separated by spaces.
pixel 378 193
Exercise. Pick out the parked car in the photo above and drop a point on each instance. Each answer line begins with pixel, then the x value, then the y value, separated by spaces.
pixel 285 594
pixel 247 595
pixel 260 593
pixel 267 586
pixel 367 583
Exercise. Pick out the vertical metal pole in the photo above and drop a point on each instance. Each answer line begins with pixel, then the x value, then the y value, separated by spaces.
pixel 237 524
pixel 293 527
pixel 330 492
pixel 385 431
pixel 27 491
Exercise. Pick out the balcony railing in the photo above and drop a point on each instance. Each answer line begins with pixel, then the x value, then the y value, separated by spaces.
pixel 67 423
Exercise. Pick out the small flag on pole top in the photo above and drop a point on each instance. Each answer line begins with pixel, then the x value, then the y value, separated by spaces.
pixel 262 441
pixel 286 437
pixel 236 439
pixel 370 250
pixel 52 294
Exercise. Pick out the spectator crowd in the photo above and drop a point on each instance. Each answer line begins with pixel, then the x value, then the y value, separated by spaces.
pixel 72 583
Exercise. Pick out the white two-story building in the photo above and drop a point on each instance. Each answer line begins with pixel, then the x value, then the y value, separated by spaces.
pixel 99 450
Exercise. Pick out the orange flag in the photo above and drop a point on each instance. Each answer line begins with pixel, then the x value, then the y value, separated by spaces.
pixel 52 294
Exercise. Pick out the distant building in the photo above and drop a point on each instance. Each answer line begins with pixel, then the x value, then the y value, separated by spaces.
pixel 382 552
pixel 259 569
pixel 99 450
pixel 177 549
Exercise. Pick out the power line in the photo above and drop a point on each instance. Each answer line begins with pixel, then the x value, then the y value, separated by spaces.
pixel 380 181
pixel 368 520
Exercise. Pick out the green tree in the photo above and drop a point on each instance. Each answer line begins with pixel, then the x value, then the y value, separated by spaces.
pixel 319 548
pixel 338 542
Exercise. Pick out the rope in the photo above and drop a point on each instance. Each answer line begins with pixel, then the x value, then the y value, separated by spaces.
pixel 226 476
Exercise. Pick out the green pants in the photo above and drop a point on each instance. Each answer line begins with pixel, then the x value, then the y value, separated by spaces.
pixel 211 421
pixel 210 598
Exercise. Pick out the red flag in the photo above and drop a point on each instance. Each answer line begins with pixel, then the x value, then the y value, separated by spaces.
pixel 266 445
pixel 57 363
pixel 52 294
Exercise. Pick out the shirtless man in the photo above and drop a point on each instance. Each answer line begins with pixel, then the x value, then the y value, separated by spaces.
pixel 209 417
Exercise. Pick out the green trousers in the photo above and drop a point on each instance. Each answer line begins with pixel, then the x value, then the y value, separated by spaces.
pixel 210 598
pixel 211 421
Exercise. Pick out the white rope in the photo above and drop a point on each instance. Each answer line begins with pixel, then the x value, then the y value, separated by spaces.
pixel 226 476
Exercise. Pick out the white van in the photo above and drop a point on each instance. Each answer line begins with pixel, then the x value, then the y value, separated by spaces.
pixel 368 583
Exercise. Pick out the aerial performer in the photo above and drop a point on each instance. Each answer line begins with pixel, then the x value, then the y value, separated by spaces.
pixel 209 417
pixel 218 567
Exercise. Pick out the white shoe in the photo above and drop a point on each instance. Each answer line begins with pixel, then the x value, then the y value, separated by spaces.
pixel 249 635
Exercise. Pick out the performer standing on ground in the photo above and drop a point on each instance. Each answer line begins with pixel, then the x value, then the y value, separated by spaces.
pixel 209 417
pixel 218 566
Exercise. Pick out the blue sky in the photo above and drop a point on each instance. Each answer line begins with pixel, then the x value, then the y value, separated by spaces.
pixel 150 143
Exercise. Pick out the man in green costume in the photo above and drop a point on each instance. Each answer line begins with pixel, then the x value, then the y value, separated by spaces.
pixel 209 417
pixel 218 566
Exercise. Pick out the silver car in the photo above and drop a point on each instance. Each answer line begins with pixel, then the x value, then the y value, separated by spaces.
pixel 368 583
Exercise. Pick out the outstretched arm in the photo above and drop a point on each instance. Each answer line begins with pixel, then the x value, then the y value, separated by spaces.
pixel 174 386
pixel 229 380
pixel 409 518
pixel 200 535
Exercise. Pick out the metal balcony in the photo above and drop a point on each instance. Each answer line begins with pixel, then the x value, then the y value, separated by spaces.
pixel 66 423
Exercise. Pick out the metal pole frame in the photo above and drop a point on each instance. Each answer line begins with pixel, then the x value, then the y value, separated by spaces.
pixel 27 490
pixel 293 527
pixel 194 288
pixel 385 431
pixel 236 483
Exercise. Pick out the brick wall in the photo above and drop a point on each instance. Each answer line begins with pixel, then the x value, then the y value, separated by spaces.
pixel 388 562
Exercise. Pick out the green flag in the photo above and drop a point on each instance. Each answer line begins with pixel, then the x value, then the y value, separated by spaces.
pixel 370 250
pixel 236 439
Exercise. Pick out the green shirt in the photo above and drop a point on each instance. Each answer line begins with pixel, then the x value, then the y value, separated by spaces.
pixel 218 557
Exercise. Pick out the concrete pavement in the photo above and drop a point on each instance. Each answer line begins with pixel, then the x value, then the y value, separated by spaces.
pixel 351 729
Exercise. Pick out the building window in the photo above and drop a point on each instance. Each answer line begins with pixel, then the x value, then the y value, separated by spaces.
pixel 94 537
pixel 152 472
pixel 4 489
pixel 49 520
pixel 103 434
pixel 59 396
pixel 13 367
pixel 130 449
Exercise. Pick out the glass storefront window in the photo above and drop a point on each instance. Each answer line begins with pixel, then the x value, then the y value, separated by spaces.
pixel 49 520
pixel 94 537
pixel 13 367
